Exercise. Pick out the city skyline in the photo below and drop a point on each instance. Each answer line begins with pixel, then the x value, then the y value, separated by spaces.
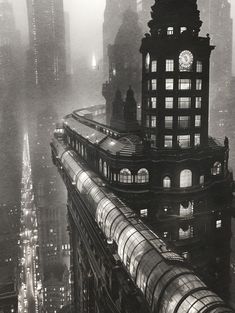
pixel 83 18
pixel 117 156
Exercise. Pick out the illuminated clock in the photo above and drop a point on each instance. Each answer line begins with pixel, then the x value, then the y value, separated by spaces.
pixel 186 60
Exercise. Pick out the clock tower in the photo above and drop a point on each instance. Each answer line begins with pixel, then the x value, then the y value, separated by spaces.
pixel 175 84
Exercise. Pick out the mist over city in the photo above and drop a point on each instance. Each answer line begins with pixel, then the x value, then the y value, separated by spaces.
pixel 117 156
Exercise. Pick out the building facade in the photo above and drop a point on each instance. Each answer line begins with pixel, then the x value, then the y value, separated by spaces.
pixel 46 57
pixel 151 206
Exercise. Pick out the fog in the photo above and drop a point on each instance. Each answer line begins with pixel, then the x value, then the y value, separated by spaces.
pixel 86 18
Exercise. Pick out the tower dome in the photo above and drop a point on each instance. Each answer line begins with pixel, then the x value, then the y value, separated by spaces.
pixel 175 14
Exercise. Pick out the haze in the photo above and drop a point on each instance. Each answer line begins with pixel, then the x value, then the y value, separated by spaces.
pixel 86 17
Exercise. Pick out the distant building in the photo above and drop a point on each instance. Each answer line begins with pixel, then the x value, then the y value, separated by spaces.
pixel 149 208
pixel 8 290
pixel 217 21
pixel 113 18
pixel 56 288
pixel 47 57
pixel 69 69
pixel 9 42
pixel 124 63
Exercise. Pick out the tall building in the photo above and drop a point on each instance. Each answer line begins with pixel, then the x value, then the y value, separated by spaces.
pixel 9 42
pixel 10 161
pixel 149 207
pixel 47 57
pixel 113 17
pixel 218 22
pixel 124 63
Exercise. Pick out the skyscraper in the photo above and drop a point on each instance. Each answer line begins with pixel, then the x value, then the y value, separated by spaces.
pixel 47 58
pixel 124 62
pixel 113 18
pixel 219 24
pixel 134 193
pixel 10 161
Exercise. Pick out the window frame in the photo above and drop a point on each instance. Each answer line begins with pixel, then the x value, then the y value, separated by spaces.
pixel 186 82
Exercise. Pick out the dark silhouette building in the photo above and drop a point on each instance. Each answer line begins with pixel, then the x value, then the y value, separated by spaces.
pixel 46 57
pixel 149 207
pixel 112 21
pixel 124 62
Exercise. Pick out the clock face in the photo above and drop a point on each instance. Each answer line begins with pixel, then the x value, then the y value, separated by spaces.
pixel 186 59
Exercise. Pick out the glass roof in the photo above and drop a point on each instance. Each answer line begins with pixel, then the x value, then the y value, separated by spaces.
pixel 93 135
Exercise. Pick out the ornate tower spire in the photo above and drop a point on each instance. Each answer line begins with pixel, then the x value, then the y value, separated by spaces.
pixel 175 13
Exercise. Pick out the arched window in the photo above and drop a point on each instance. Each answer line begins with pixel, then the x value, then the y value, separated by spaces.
pixel 100 165
pixel 147 61
pixel 105 169
pixel 186 209
pixel 186 179
pixel 217 169
pixel 166 182
pixel 185 232
pixel 143 176
pixel 125 176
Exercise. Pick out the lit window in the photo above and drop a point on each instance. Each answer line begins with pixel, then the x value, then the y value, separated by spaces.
pixel 154 66
pixel 168 122
pixel 198 121
pixel 186 179
pixel 184 141
pixel 168 141
pixel 184 103
pixel 182 29
pixel 100 165
pixel 143 176
pixel 105 169
pixel 218 224
pixel 217 169
pixel 197 139
pixel 147 61
pixel 169 65
pixel 154 84
pixel 198 84
pixel 154 102
pixel 169 84
pixel 144 213
pixel 198 103
pixel 153 121
pixel 186 209
pixel 125 176
pixel 199 66
pixel 165 234
pixel 170 30
pixel 166 182
pixel 169 102
pixel 183 122
pixel 202 180
pixel 184 84
pixel 186 233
